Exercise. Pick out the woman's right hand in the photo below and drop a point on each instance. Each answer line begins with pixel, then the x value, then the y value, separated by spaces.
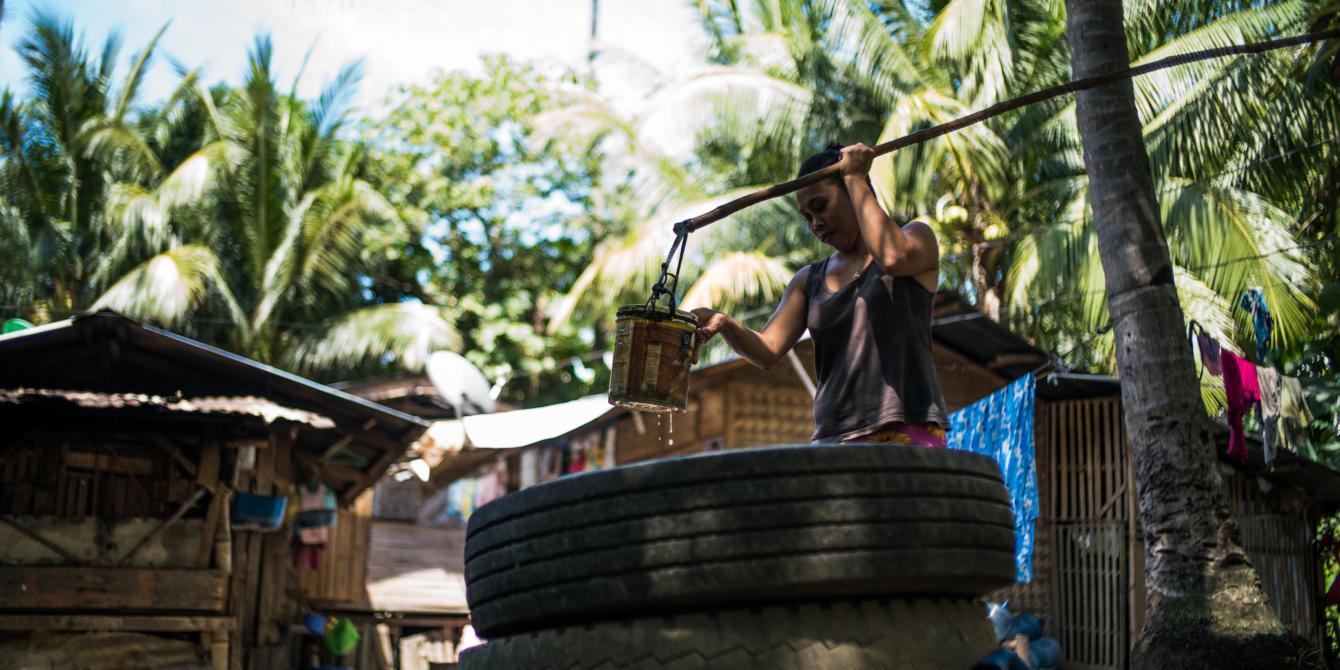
pixel 710 322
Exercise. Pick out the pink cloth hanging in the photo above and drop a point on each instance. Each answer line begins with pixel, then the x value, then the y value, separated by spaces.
pixel 1242 390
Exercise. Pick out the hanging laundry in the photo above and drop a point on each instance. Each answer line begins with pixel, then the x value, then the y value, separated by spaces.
pixel 1209 353
pixel 461 498
pixel 576 459
pixel 489 486
pixel 551 464
pixel 306 556
pixel 530 467
pixel 1242 391
pixel 1294 414
pixel 1254 301
pixel 1001 426
pixel 1268 380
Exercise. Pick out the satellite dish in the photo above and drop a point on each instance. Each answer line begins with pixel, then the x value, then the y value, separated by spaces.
pixel 459 383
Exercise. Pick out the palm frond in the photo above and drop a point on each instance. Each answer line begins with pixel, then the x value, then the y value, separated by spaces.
pixel 400 334
pixel 200 173
pixel 332 107
pixel 1236 239
pixel 623 269
pixel 167 288
pixel 882 60
pixel 909 180
pixel 117 143
pixel 738 279
pixel 756 102
pixel 138 69
pixel 976 34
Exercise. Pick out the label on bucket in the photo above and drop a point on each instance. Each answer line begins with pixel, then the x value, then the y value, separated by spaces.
pixel 623 349
pixel 652 372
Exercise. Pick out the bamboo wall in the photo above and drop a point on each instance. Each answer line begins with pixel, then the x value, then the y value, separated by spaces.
pixel 75 478
pixel 1090 559
pixel 342 574
pixel 1087 519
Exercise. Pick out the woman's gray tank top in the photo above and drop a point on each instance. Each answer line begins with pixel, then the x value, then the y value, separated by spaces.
pixel 872 350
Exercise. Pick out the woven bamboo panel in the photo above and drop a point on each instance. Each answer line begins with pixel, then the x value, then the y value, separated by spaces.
pixel 342 575
pixel 1084 541
pixel 1090 456
pixel 1280 550
pixel 763 414
pixel 1090 607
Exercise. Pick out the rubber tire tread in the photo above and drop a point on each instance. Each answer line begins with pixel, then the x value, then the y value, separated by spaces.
pixel 804 489
pixel 730 465
pixel 848 635
pixel 742 527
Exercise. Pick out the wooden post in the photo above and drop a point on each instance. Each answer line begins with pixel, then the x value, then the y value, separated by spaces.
pixel 223 535
pixel 217 643
pixel 208 477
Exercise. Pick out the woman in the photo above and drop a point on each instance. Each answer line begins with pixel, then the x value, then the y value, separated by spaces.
pixel 867 307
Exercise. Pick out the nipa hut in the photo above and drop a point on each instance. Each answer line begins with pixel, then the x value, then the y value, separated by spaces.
pixel 126 453
pixel 1088 554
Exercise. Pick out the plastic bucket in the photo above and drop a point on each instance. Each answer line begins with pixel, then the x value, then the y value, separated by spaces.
pixel 250 511
pixel 653 352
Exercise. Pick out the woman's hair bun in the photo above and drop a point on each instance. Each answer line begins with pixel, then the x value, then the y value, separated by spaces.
pixel 829 156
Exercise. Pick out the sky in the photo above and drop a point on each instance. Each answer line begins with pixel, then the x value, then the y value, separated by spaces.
pixel 400 41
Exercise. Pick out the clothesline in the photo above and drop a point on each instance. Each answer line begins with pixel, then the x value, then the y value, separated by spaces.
pixel 1278 399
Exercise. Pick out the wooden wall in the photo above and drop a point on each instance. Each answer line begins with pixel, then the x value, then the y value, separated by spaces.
pixel 342 574
pixel 1089 563
pixel 1090 567
pixel 415 568
pixel 70 477
pixel 1277 534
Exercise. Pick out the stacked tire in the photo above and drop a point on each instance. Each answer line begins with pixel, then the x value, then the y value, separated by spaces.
pixel 852 556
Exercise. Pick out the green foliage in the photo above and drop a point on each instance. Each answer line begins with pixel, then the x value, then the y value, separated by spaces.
pixel 507 213
pixel 505 219
pixel 237 215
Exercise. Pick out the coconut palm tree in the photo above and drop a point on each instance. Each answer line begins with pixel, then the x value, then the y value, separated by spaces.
pixel 238 215
pixel 1007 197
pixel 743 263
pixel 1229 153
pixel 59 154
pixel 1206 605
pixel 282 228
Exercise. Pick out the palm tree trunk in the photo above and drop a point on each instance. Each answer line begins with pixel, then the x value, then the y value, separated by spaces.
pixel 1206 608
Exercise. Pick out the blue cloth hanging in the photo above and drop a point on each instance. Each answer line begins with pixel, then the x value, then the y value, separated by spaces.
pixel 1001 426
pixel 1254 301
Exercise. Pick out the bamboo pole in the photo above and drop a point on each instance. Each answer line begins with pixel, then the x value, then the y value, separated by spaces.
pixel 784 188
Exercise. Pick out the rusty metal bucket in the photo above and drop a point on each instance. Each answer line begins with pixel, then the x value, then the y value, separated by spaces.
pixel 653 353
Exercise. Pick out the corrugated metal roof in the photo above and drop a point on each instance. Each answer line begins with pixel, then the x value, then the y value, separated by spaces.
pixel 109 353
pixel 211 371
pixel 261 408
